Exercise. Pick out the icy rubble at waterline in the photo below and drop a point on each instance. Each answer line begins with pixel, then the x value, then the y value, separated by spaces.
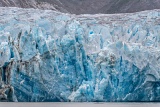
pixel 51 56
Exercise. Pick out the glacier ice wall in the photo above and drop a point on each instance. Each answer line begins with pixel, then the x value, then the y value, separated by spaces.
pixel 51 56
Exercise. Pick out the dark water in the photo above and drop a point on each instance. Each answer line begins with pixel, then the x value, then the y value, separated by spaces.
pixel 79 104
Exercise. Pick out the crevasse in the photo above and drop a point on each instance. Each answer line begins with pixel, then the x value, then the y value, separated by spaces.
pixel 51 56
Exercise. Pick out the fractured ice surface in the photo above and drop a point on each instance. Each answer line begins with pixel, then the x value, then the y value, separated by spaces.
pixel 51 56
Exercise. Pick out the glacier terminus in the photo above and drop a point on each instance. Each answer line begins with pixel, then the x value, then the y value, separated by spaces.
pixel 49 56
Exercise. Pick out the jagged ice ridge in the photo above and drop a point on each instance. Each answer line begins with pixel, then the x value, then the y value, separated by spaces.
pixel 51 56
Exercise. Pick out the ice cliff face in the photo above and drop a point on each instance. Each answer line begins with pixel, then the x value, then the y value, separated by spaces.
pixel 50 56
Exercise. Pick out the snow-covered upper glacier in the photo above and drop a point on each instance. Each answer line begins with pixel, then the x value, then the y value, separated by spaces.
pixel 51 56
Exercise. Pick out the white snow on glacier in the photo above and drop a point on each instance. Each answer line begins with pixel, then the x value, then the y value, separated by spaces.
pixel 51 56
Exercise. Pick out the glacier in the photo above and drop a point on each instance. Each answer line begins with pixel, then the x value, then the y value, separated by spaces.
pixel 48 56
